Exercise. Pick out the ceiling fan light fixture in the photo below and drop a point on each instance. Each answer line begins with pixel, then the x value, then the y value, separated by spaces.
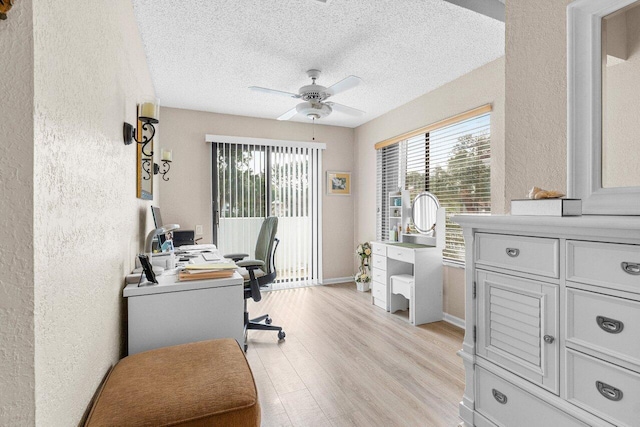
pixel 313 110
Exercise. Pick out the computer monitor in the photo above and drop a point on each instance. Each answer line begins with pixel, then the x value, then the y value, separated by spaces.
pixel 157 220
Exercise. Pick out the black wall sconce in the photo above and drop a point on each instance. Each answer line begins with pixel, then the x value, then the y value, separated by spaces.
pixel 167 157
pixel 148 113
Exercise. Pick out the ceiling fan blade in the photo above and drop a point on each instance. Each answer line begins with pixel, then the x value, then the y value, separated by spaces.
pixel 343 85
pixel 288 114
pixel 274 92
pixel 344 109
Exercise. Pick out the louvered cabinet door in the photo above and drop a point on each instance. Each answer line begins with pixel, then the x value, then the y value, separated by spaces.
pixel 518 326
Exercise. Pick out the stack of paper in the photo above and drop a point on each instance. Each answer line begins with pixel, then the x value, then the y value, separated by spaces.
pixel 216 270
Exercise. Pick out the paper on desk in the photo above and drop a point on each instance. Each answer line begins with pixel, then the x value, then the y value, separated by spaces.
pixel 212 266
pixel 211 257
pixel 199 248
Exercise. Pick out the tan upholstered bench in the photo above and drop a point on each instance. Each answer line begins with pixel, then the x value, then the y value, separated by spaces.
pixel 198 384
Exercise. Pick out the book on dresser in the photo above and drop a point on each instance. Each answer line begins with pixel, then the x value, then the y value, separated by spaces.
pixel 547 207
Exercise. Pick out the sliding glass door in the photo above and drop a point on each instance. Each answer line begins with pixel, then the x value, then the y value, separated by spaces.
pixel 253 181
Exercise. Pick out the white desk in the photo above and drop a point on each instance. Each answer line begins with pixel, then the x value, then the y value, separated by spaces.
pixel 172 312
pixel 422 262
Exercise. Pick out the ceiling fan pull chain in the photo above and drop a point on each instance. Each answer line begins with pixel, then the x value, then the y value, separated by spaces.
pixel 313 129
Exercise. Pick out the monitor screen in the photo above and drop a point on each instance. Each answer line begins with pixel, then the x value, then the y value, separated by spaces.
pixel 157 220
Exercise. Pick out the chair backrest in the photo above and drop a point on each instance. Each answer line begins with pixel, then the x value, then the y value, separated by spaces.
pixel 265 243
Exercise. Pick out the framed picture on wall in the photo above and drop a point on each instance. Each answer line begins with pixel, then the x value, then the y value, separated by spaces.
pixel 338 183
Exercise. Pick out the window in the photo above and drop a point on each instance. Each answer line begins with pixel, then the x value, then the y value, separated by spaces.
pixel 252 179
pixel 451 161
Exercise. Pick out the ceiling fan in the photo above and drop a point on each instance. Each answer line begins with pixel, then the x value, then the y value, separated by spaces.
pixel 314 97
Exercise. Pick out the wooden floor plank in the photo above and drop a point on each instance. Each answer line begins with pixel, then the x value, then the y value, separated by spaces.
pixel 349 363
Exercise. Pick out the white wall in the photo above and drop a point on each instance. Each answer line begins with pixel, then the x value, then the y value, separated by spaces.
pixel 90 69
pixel 484 85
pixel 536 96
pixel 17 402
pixel 186 197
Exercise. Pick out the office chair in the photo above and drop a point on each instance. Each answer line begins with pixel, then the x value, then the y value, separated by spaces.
pixel 260 272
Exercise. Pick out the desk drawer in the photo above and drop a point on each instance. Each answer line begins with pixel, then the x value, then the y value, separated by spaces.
pixel 401 254
pixel 609 265
pixel 379 249
pixel 604 389
pixel 535 255
pixel 379 262
pixel 379 294
pixel 379 276
pixel 509 406
pixel 619 334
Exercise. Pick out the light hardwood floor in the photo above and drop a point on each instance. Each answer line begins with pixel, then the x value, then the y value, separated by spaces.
pixel 345 362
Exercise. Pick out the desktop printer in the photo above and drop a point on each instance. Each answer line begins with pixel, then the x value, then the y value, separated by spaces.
pixel 183 237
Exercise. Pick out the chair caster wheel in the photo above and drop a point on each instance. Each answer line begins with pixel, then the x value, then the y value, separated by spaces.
pixel 281 335
pixel 268 320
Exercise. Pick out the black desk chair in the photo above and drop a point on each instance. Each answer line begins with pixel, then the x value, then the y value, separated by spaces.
pixel 259 272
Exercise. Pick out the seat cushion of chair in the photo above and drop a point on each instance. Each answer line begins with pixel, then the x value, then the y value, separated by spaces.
pixel 245 273
pixel 196 384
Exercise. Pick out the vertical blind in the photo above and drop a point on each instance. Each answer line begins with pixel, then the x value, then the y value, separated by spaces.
pixel 452 162
pixel 253 181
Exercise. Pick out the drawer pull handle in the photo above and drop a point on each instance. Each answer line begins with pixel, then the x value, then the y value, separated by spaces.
pixel 500 397
pixel 513 252
pixel 631 268
pixel 608 391
pixel 611 326
pixel 549 339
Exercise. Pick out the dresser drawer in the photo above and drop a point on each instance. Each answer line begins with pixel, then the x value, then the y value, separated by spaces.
pixel 507 405
pixel 378 262
pixel 379 292
pixel 604 323
pixel 379 249
pixel 379 276
pixel 610 265
pixel 401 254
pixel 604 389
pixel 533 255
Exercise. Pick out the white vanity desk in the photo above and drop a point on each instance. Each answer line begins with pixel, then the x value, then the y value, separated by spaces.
pixel 422 262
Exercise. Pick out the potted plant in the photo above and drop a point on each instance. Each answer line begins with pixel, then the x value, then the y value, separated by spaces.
pixel 362 277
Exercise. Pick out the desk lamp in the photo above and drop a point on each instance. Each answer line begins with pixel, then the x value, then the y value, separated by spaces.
pixel 153 233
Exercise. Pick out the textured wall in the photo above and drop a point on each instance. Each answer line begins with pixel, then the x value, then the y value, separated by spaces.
pixel 184 131
pixel 484 85
pixel 536 96
pixel 90 69
pixel 17 403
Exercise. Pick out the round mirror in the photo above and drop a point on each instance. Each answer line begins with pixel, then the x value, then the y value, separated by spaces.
pixel 423 212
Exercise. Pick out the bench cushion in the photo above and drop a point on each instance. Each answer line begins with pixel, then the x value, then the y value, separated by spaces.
pixel 198 384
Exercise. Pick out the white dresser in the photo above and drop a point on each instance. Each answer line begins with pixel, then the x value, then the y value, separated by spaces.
pixel 552 321
pixel 422 262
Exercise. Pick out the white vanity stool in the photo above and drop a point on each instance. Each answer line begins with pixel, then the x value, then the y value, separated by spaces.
pixel 401 295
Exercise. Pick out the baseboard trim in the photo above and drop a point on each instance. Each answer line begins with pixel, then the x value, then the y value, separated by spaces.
pixel 456 321
pixel 337 280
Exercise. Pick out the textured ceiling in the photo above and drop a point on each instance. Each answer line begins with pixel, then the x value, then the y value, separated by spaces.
pixel 203 55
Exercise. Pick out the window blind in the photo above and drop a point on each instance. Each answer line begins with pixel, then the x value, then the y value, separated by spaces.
pixel 252 181
pixel 452 162
pixel 388 179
